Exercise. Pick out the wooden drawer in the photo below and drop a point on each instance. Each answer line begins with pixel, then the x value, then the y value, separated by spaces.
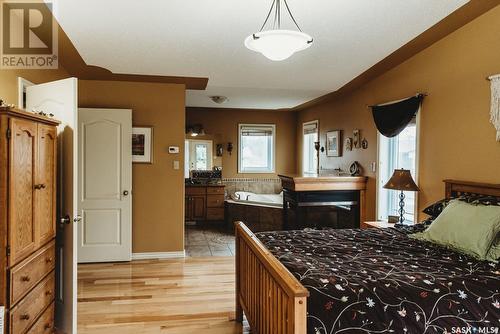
pixel 215 201
pixel 215 190
pixel 28 273
pixel 196 190
pixel 215 213
pixel 32 306
pixel 44 324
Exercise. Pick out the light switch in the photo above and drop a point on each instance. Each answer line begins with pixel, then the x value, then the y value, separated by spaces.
pixel 176 164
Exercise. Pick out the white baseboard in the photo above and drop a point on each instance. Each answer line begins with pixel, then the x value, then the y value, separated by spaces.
pixel 158 255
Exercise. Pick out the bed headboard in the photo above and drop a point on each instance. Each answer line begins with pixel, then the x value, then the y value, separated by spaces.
pixel 456 188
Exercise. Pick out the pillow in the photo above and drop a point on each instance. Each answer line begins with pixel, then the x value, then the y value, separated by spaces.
pixel 436 208
pixel 483 200
pixel 494 252
pixel 470 229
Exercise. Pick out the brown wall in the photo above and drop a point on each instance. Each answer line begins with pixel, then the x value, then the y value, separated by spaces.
pixel 221 125
pixel 158 189
pixel 456 138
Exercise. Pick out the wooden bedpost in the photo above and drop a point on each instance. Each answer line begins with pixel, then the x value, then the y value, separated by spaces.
pixel 239 309
pixel 272 298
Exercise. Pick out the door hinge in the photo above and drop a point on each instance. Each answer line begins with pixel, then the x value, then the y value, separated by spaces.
pixel 8 134
pixel 8 250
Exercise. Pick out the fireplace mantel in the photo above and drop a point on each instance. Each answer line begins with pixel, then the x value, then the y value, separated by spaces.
pixel 314 182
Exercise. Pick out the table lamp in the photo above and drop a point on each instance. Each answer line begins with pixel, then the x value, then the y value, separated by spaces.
pixel 401 180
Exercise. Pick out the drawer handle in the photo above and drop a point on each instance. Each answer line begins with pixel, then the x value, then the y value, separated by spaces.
pixel 48 292
pixel 49 260
pixel 25 317
pixel 47 326
pixel 25 278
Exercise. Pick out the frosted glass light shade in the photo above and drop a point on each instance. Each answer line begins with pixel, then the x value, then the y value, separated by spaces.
pixel 278 44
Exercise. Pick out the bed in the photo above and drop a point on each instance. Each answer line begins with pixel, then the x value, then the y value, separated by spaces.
pixel 363 281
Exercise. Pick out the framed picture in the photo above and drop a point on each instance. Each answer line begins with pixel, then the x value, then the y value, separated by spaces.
pixel 348 144
pixel 356 142
pixel 333 140
pixel 142 144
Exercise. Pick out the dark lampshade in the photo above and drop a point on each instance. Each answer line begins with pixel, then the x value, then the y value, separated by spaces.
pixel 401 180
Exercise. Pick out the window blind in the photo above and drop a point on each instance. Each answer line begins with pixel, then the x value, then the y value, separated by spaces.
pixel 310 128
pixel 256 131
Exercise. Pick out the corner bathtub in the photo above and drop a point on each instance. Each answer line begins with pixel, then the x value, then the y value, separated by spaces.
pixel 260 212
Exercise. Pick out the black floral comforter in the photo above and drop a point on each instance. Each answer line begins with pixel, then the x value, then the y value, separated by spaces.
pixel 381 281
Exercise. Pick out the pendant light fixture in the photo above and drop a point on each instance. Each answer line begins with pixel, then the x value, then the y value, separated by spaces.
pixel 276 43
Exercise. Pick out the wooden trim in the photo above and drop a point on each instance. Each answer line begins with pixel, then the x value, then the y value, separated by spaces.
pixel 4 180
pixel 453 187
pixel 158 255
pixel 273 300
pixel 465 14
pixel 28 115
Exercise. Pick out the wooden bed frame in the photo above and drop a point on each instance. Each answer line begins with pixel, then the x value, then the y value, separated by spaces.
pixel 273 300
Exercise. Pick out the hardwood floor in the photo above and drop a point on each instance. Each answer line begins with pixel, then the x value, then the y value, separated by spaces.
pixel 191 295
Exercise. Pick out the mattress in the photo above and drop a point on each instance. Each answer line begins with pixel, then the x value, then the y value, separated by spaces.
pixel 382 281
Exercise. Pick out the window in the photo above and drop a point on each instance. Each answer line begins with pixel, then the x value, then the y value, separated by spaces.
pixel 256 148
pixel 397 152
pixel 309 155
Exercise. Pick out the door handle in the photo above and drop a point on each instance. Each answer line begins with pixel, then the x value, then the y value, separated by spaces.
pixel 77 219
pixel 125 193
pixel 66 220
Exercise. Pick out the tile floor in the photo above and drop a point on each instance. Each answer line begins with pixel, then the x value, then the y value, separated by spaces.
pixel 208 240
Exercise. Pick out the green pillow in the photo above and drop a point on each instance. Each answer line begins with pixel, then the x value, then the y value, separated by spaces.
pixel 470 229
pixel 494 252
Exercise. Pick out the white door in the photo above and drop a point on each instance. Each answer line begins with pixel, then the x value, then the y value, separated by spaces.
pixel 200 154
pixel 105 181
pixel 61 99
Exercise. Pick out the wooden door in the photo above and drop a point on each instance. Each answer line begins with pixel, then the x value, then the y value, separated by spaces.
pixel 45 187
pixel 22 161
pixel 105 180
pixel 198 207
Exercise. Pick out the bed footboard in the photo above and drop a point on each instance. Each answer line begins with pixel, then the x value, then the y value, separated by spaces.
pixel 273 300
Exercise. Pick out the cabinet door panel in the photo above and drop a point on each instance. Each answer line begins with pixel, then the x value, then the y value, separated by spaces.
pixel 46 177
pixel 198 209
pixel 187 208
pixel 22 161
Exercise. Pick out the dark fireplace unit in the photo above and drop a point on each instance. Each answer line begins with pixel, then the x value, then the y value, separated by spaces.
pixel 323 201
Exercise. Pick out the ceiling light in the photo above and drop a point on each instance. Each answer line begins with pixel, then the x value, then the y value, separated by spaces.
pixel 276 43
pixel 219 99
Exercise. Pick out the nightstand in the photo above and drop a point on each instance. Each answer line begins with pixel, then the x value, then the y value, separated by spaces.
pixel 377 224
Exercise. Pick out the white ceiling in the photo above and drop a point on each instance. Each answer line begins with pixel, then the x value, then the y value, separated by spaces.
pixel 204 38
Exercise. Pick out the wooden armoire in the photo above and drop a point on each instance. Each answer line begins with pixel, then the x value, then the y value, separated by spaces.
pixel 28 162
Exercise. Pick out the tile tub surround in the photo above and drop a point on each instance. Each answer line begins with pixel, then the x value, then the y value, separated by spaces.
pixel 254 185
pixel 215 240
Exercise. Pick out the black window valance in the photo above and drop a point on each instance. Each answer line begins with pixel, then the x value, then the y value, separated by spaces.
pixel 392 118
